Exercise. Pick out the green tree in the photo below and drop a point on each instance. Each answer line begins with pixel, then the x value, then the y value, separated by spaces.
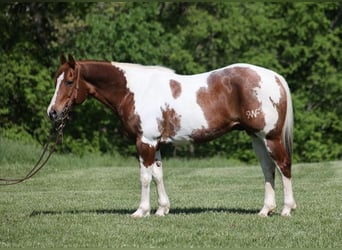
pixel 299 40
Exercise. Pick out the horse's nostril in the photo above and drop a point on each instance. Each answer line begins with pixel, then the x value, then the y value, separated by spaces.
pixel 53 114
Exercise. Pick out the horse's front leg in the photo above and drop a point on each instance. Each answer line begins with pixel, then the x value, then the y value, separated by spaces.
pixel 151 166
pixel 157 174
pixel 145 179
pixel 146 173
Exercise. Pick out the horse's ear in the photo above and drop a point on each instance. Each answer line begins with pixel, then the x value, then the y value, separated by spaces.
pixel 71 61
pixel 63 59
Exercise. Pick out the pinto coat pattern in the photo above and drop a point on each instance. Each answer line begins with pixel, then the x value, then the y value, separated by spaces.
pixel 156 105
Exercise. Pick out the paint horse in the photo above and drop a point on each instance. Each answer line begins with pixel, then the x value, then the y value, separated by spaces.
pixel 156 106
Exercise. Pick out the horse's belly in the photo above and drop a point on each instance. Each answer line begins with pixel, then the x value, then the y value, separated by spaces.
pixel 173 126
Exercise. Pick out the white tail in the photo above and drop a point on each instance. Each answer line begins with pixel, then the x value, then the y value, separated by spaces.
pixel 288 124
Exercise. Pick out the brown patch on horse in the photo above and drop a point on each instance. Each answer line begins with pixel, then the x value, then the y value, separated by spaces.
pixel 169 124
pixel 109 82
pixel 130 120
pixel 280 156
pixel 226 103
pixel 146 152
pixel 176 88
pixel 274 138
pixel 109 85
pixel 281 107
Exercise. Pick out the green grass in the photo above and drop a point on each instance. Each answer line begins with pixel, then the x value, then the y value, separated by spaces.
pixel 87 202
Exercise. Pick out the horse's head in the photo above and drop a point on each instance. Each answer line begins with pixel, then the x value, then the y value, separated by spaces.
pixel 68 89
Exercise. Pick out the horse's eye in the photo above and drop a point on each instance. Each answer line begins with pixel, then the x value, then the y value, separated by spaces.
pixel 68 83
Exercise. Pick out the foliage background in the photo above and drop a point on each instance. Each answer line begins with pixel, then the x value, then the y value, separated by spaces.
pixel 301 41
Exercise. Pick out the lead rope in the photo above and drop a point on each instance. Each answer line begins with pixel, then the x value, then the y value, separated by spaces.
pixel 57 132
pixel 55 137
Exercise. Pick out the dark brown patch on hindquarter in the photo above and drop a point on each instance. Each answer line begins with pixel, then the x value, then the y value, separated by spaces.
pixel 176 88
pixel 247 81
pixel 169 124
pixel 226 100
pixel 219 102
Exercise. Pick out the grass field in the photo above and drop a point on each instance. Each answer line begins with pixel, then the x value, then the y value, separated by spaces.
pixel 87 202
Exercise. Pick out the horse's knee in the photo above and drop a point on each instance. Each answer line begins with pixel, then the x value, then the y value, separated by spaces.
pixel 145 175
pixel 157 170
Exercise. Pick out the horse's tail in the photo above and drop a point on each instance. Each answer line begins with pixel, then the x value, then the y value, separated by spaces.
pixel 288 124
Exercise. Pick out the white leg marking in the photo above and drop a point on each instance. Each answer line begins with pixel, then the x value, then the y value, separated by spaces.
pixel 163 199
pixel 269 201
pixel 145 179
pixel 289 202
pixel 268 168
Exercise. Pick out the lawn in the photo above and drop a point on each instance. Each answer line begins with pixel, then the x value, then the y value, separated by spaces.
pixel 87 202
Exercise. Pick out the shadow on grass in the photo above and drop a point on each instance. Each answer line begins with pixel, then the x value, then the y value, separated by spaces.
pixel 190 210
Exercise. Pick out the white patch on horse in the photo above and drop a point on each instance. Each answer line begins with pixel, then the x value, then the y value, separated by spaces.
pixel 60 79
pixel 268 94
pixel 187 107
pixel 150 86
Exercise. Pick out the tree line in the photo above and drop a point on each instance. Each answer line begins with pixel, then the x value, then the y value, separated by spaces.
pixel 301 41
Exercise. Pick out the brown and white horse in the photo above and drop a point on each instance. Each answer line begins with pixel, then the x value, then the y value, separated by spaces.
pixel 156 105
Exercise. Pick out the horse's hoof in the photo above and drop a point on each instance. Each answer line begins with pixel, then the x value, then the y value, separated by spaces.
pixel 266 211
pixel 263 214
pixel 140 213
pixel 286 212
pixel 162 211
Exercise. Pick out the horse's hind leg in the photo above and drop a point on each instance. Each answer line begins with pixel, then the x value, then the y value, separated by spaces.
pixel 283 162
pixel 268 168
pixel 157 174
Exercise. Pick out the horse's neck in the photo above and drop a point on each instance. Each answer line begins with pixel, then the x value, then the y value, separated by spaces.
pixel 107 83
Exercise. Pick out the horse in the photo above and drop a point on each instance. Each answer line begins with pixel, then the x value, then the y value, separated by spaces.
pixel 156 106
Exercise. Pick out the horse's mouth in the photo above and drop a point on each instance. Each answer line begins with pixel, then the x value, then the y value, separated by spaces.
pixel 59 116
pixel 54 115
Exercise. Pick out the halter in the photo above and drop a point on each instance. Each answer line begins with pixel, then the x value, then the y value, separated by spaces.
pixel 72 96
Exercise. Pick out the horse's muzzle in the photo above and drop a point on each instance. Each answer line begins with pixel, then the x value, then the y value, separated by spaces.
pixel 53 115
pixel 59 116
